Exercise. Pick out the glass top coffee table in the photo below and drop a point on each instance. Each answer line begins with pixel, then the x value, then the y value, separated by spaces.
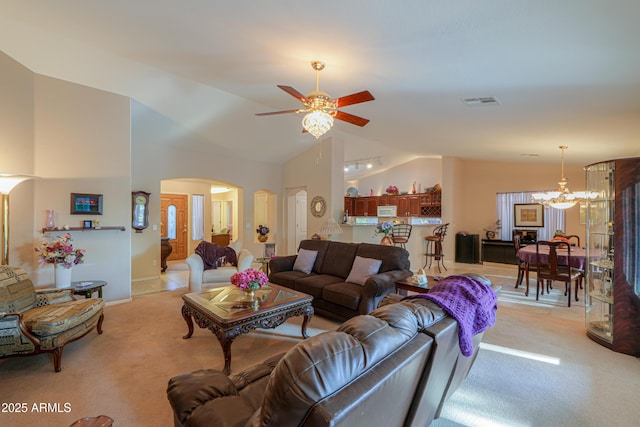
pixel 229 312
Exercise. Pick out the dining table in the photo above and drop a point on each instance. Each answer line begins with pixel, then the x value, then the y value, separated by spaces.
pixel 529 255
pixel 578 256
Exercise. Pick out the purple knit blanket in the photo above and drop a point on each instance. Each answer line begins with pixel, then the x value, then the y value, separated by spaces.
pixel 472 303
pixel 214 256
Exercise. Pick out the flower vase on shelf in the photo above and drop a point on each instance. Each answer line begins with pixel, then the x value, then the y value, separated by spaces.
pixel 386 240
pixel 63 276
pixel 50 222
pixel 263 237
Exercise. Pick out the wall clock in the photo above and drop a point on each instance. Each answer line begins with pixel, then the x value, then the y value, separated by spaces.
pixel 318 206
pixel 139 210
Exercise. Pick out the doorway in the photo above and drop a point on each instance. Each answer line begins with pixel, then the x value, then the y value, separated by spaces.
pixel 297 214
pixel 174 223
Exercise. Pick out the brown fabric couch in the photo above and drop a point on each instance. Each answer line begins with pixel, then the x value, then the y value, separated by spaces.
pixel 394 367
pixel 332 296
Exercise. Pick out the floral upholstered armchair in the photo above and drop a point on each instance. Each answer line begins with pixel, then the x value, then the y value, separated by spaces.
pixel 42 321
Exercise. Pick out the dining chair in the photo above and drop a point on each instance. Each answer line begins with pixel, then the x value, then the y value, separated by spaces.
pixel 523 266
pixel 574 240
pixel 548 269
pixel 400 234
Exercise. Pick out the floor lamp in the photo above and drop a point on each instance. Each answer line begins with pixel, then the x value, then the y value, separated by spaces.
pixel 7 183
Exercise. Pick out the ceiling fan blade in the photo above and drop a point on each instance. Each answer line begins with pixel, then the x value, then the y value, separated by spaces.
pixel 293 92
pixel 276 112
pixel 350 118
pixel 355 98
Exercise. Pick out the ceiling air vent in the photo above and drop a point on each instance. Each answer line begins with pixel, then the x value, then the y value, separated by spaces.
pixel 487 100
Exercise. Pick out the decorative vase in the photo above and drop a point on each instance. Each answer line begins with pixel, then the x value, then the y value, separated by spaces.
pixel 263 237
pixel 386 240
pixel 63 277
pixel 250 297
pixel 50 222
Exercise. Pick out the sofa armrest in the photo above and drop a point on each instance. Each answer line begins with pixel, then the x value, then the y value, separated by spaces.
pixel 377 286
pixel 53 296
pixel 245 259
pixel 196 268
pixel 383 283
pixel 13 328
pixel 282 263
pixel 187 392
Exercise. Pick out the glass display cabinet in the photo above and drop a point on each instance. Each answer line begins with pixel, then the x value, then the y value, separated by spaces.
pixel 612 278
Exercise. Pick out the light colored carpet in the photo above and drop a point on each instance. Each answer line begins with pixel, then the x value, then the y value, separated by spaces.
pixel 124 372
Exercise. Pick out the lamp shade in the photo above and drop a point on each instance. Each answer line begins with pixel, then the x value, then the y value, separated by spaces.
pixel 330 226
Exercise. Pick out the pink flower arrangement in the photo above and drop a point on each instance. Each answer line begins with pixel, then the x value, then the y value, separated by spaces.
pixel 60 252
pixel 249 280
pixel 392 189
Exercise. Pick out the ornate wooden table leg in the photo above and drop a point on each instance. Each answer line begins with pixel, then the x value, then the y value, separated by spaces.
pixel 307 318
pixel 186 314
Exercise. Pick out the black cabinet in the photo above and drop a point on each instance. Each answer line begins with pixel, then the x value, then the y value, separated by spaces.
pixel 467 248
pixel 501 251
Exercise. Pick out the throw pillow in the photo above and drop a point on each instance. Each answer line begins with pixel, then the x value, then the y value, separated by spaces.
pixel 305 260
pixel 363 268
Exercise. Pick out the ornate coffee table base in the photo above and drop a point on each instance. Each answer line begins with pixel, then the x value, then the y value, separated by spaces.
pixel 227 333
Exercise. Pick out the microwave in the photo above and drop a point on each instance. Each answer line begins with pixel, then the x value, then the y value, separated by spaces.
pixel 387 211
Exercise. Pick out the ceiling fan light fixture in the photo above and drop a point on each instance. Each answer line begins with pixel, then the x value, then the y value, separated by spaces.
pixel 317 123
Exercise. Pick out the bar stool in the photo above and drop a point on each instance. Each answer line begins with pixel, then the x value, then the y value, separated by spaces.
pixel 400 234
pixel 434 247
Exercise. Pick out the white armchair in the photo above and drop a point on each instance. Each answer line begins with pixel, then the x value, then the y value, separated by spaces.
pixel 201 279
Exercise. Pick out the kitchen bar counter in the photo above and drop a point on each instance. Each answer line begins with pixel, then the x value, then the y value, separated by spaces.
pixel 358 232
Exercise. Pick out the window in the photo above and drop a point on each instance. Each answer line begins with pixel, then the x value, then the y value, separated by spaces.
pixel 171 222
pixel 197 217
pixel 553 218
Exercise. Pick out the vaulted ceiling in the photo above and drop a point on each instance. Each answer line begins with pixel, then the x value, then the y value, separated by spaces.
pixel 562 72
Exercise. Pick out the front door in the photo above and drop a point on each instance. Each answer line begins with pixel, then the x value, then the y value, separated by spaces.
pixel 174 223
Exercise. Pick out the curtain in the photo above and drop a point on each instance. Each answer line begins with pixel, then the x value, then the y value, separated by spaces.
pixel 553 218
pixel 197 217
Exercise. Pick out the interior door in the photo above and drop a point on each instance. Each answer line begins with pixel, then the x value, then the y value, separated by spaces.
pixel 174 223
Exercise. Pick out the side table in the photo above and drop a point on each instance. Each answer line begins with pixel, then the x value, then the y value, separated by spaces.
pixel 265 264
pixel 404 285
pixel 88 287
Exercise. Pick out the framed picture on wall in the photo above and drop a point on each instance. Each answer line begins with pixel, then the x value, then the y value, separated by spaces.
pixel 269 250
pixel 528 215
pixel 86 204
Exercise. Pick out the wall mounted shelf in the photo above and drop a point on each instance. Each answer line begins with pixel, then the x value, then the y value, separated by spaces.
pixel 102 228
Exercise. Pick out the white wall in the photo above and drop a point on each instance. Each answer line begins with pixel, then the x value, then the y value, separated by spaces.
pixel 75 140
pixel 319 171
pixel 425 172
pixel 153 162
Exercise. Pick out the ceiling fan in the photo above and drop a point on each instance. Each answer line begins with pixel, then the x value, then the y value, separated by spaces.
pixel 321 109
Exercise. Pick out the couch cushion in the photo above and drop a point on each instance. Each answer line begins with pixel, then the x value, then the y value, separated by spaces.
pixel 286 278
pixel 313 284
pixel 339 259
pixel 363 268
pixel 53 319
pixel 393 257
pixel 305 260
pixel 17 293
pixel 345 294
pixel 218 275
pixel 316 245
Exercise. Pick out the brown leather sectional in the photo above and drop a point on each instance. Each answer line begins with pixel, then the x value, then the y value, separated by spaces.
pixel 394 367
pixel 332 296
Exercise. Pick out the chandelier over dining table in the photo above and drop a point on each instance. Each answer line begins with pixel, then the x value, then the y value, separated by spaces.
pixel 562 198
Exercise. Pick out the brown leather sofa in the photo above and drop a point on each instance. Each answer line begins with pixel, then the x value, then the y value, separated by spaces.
pixel 332 296
pixel 394 367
